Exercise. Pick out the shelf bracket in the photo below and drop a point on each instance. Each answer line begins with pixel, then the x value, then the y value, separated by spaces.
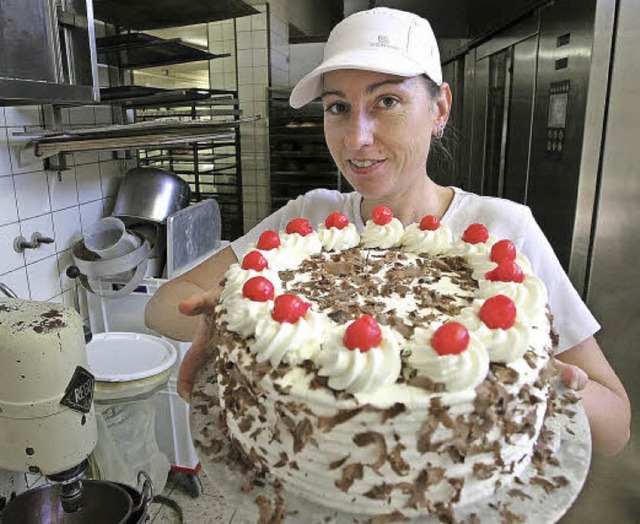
pixel 53 121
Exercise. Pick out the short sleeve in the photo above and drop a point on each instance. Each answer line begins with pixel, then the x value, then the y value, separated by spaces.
pixel 572 320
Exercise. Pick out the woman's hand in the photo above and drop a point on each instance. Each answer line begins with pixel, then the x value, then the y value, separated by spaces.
pixel 201 304
pixel 572 376
pixel 585 369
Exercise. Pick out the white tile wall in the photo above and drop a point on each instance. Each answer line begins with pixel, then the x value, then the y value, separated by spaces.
pixel 8 203
pixel 44 279
pixel 88 182
pixel 63 191
pixel 65 226
pixel 10 260
pixel 56 205
pixel 32 194
pixel 5 157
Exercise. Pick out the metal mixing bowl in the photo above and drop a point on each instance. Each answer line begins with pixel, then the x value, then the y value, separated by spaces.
pixel 103 503
pixel 150 194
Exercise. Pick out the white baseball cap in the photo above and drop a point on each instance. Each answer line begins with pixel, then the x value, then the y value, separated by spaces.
pixel 380 39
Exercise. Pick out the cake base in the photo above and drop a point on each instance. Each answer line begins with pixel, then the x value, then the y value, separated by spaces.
pixel 536 497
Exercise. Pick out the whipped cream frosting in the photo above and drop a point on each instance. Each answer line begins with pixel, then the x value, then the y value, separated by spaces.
pixel 236 277
pixel 434 243
pixel 334 239
pixel 292 343
pixel 457 372
pixel 356 371
pixel 293 249
pixel 242 314
pixel 382 237
pixel 466 249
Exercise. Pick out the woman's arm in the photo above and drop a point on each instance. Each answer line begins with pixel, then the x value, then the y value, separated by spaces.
pixel 603 395
pixel 196 292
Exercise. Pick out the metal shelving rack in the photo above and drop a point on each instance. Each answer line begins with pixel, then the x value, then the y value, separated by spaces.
pixel 298 154
pixel 212 167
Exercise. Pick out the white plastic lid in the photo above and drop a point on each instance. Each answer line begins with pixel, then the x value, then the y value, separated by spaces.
pixel 123 357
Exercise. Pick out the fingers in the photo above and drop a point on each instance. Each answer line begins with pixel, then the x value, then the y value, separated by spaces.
pixel 193 360
pixel 572 376
pixel 198 304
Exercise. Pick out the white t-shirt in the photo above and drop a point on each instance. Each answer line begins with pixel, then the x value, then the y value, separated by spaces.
pixel 572 320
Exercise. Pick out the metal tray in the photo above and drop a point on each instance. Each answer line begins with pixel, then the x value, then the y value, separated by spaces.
pixel 158 14
pixel 140 50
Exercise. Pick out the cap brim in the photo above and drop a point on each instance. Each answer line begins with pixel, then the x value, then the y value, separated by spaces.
pixel 389 62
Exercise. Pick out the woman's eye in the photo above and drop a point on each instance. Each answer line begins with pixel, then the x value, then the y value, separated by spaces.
pixel 336 108
pixel 388 101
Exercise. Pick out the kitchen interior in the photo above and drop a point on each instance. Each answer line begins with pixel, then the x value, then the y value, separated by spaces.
pixel 96 96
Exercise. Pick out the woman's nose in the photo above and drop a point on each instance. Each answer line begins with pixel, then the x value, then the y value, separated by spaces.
pixel 360 130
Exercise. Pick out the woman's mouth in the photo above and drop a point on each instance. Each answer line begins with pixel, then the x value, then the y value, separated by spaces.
pixel 363 167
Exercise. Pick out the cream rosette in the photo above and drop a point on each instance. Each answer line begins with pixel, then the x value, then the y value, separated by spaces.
pixel 356 371
pixel 382 237
pixel 293 249
pixel 529 296
pixel 334 239
pixel 242 314
pixel 503 345
pixel 433 243
pixel 464 249
pixel 278 342
pixel 482 264
pixel 465 370
pixel 235 278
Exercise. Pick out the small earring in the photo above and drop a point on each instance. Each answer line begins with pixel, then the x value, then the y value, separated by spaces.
pixel 439 133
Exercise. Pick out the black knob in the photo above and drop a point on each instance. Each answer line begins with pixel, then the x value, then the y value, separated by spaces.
pixel 73 272
pixel 88 335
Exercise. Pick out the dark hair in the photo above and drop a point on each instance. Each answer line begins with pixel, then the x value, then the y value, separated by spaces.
pixel 442 157
pixel 432 87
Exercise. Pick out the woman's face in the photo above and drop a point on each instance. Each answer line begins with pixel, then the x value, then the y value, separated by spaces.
pixel 378 128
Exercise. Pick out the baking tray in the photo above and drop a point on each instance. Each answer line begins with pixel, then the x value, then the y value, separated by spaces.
pixel 158 14
pixel 140 50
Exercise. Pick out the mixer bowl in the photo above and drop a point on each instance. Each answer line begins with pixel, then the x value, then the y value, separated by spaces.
pixel 104 503
pixel 150 194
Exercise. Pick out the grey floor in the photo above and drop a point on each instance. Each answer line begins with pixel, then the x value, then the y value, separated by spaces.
pixel 207 507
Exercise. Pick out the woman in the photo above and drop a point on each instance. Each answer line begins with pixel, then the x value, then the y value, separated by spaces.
pixel 385 101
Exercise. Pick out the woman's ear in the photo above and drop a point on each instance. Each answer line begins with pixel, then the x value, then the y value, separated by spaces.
pixel 443 107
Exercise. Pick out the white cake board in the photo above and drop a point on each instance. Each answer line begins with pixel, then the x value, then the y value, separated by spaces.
pixel 572 448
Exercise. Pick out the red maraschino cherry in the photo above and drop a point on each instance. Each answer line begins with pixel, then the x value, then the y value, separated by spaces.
pixel 507 271
pixel 258 289
pixel 381 215
pixel 289 308
pixel 475 234
pixel 363 334
pixel 503 251
pixel 254 260
pixel 337 220
pixel 429 223
pixel 268 240
pixel 498 312
pixel 300 226
pixel 451 338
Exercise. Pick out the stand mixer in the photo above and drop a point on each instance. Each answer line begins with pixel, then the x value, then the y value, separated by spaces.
pixel 47 422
